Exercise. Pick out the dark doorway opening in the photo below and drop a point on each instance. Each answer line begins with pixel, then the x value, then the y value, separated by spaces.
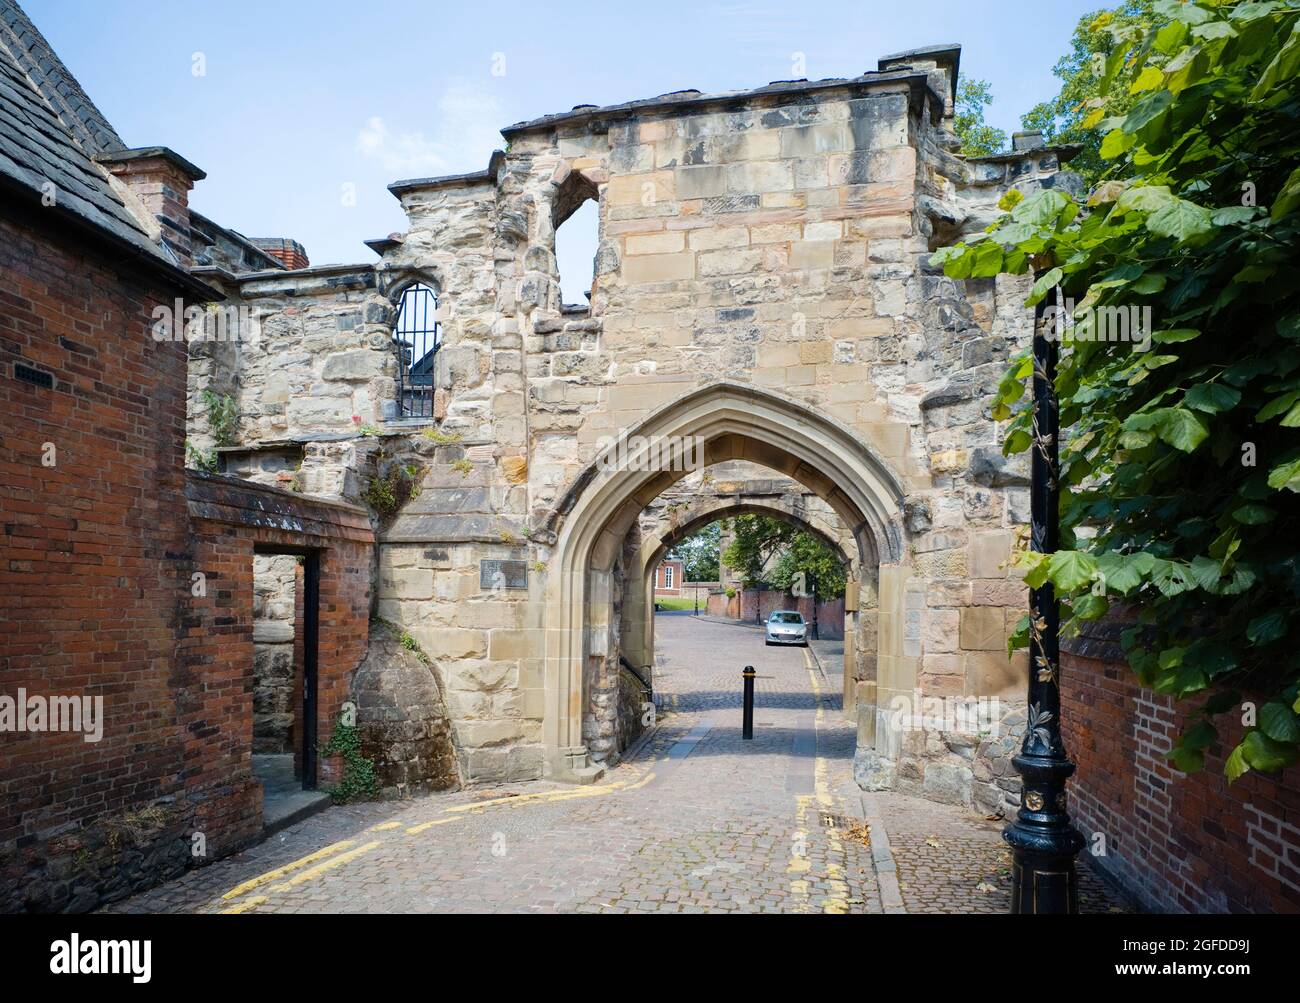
pixel 286 580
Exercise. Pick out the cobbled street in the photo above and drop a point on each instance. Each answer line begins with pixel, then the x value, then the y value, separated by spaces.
pixel 697 820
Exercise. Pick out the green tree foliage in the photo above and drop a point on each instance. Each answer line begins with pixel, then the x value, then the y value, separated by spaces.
pixel 978 139
pixel 699 553
pixel 1184 460
pixel 808 564
pixel 1088 93
pixel 770 551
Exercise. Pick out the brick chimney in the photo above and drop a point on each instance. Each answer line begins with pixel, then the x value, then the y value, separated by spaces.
pixel 288 252
pixel 160 180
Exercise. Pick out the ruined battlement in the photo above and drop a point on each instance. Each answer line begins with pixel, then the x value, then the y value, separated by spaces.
pixel 758 252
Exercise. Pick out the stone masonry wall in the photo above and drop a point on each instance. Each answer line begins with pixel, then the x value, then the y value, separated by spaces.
pixel 778 238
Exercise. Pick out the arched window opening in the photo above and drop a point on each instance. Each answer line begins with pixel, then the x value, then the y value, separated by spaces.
pixel 576 216
pixel 417 337
pixel 575 255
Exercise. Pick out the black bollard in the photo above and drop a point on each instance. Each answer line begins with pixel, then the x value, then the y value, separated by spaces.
pixel 747 727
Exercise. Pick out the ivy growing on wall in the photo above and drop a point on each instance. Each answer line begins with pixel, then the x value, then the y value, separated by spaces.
pixel 1181 440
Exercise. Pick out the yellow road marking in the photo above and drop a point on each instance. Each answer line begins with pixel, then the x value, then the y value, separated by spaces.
pixel 246 906
pixel 640 783
pixel 474 806
pixel 312 873
pixel 280 872
pixel 585 792
pixel 385 826
pixel 413 830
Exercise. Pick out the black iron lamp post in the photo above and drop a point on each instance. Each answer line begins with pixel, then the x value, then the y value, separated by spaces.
pixel 1044 843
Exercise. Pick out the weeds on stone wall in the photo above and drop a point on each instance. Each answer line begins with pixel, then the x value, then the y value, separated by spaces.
pixel 405 639
pixel 440 437
pixel 136 827
pixel 358 782
pixel 388 492
pixel 199 460
pixel 223 417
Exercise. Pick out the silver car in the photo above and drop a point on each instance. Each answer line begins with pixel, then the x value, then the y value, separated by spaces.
pixel 787 627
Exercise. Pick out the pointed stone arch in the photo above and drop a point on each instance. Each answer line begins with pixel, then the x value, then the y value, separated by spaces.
pixel 586 530
pixel 638 636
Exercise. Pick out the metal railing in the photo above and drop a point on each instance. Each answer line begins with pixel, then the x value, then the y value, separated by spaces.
pixel 417 338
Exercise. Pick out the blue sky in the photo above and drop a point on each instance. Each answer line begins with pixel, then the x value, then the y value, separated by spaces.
pixel 299 100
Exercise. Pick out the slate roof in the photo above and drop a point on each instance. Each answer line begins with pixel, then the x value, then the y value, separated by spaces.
pixel 50 130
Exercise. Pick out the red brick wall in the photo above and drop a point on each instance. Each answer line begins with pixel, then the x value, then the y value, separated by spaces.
pixel 219 650
pixel 661 578
pixel 96 594
pixel 1179 843
pixel 93 560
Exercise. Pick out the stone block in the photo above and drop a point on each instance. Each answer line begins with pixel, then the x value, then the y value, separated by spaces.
pixel 861 327
pixel 272 631
pixel 643 190
pixel 659 268
pixel 713 238
pixel 656 243
pixel 983 628
pixel 825 230
pixel 812 254
pixel 872 771
pixel 407 583
pixel 948 461
pixel 815 140
pixel 993 674
pixel 1006 592
pixel 759 177
pixel 455 644
pixel 947 783
pixel 941 631
pixel 989 554
pixel 504 645
pixel 700 182
pixel 358 364
pixel 515 469
pixel 729 261
pixel 813 352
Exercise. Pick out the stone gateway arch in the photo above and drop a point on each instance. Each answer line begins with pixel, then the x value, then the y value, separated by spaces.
pixel 761 295
pixel 593 519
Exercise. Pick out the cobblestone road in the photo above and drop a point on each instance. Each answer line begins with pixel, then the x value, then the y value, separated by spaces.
pixel 697 821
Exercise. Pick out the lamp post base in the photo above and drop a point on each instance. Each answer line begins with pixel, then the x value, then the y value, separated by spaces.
pixel 1042 840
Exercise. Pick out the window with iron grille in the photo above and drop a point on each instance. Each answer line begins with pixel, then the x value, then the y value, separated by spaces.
pixel 417 338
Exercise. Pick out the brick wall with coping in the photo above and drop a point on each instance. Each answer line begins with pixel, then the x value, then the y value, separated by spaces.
pixel 94 562
pixel 97 560
pixel 1176 842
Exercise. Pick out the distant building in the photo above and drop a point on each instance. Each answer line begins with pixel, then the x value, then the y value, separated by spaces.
pixel 669 578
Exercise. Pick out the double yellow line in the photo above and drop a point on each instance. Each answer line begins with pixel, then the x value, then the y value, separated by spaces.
pixel 314 865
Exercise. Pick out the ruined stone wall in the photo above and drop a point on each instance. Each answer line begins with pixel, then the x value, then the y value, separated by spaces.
pixel 787 245
pixel 312 365
pixel 402 718
pixel 779 239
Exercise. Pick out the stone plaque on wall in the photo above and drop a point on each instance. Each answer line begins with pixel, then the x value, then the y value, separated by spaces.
pixel 503 574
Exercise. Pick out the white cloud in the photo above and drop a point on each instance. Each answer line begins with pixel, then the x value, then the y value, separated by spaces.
pixel 465 131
